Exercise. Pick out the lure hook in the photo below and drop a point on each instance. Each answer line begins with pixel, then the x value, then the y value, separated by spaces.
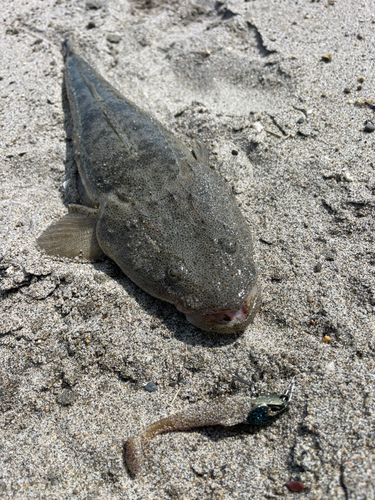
pixel 287 396
pixel 267 407
pixel 253 393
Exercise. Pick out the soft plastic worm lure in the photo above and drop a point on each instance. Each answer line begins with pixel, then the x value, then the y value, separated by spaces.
pixel 265 409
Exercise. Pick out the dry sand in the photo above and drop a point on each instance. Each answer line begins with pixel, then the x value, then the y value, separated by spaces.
pixel 79 341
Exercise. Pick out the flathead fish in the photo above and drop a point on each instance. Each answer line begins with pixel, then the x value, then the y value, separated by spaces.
pixel 155 207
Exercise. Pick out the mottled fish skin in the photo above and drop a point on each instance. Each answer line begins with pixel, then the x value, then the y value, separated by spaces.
pixel 168 220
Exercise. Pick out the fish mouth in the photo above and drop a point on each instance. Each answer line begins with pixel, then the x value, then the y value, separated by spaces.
pixel 229 321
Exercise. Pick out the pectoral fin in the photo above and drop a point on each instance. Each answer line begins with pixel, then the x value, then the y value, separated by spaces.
pixel 200 152
pixel 73 235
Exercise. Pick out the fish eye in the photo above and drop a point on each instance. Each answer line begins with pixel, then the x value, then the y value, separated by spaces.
pixel 176 273
pixel 173 275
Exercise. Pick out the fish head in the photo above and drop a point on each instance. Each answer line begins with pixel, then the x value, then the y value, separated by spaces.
pixel 195 257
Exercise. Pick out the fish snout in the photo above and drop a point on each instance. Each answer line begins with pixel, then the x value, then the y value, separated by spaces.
pixel 229 321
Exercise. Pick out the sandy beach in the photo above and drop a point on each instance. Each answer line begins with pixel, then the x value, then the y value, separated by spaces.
pixel 277 92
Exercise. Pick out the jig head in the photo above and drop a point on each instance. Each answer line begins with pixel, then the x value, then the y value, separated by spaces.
pixel 267 407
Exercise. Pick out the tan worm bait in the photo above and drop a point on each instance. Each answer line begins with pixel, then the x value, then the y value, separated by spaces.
pixel 229 411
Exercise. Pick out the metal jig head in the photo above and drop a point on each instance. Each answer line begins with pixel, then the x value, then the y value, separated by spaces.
pixel 267 407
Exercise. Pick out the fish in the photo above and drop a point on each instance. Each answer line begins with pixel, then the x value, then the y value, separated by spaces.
pixel 155 207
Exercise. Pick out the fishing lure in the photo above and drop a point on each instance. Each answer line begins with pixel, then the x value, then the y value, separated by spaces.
pixel 265 409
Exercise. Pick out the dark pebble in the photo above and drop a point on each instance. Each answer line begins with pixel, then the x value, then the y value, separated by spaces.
pixel 151 387
pixel 347 90
pixel 91 25
pixel 318 267
pixel 301 120
pixel 94 4
pixel 234 152
pixel 369 127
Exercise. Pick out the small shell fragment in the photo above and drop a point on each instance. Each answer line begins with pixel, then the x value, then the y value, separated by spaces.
pixel 327 57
